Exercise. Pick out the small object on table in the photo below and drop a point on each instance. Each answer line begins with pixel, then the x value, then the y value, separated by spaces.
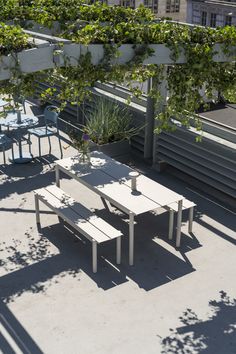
pixel 134 175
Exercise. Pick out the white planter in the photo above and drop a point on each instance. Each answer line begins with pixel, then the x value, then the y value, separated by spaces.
pixel 36 59
pixel 6 63
pixel 221 57
pixel 161 54
pixel 72 53
pixel 96 50
pixel 126 54
pixel 42 57
pixel 30 60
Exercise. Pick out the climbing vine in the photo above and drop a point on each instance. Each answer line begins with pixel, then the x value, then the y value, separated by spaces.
pixel 116 26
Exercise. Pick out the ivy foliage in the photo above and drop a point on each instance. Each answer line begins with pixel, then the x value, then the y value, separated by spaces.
pixel 114 26
pixel 12 39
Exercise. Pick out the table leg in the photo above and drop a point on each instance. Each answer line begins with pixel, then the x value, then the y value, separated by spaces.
pixel 190 221
pixel 20 157
pixel 94 256
pixel 57 171
pixel 131 238
pixel 179 221
pixel 171 224
pixel 20 146
pixel 37 209
pixel 118 250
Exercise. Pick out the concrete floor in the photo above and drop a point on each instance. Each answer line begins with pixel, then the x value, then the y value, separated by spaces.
pixel 170 301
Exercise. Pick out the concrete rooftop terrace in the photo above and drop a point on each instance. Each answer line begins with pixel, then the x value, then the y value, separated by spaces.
pixel 170 301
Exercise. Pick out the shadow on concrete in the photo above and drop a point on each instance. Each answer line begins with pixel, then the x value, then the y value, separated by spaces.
pixel 206 204
pixel 154 265
pixel 217 232
pixel 22 179
pixel 39 268
pixel 215 335
pixel 15 333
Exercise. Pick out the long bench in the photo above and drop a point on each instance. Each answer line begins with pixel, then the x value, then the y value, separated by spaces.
pixel 80 218
pixel 173 207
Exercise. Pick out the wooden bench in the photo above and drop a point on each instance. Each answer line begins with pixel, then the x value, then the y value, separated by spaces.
pixel 80 218
pixel 173 207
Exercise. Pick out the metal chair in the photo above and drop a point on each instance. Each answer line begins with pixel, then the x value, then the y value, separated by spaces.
pixel 3 104
pixel 5 144
pixel 50 129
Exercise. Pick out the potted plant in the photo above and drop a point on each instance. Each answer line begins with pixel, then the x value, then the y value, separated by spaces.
pixel 80 141
pixel 109 127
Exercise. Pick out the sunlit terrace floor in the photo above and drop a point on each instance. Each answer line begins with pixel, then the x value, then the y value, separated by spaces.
pixel 170 301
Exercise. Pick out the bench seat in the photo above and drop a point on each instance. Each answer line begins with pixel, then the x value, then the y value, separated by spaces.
pixel 79 217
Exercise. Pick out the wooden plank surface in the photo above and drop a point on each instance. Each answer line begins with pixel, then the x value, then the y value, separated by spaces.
pixel 111 178
pixel 73 218
pixel 87 214
pixel 186 205
pixel 108 187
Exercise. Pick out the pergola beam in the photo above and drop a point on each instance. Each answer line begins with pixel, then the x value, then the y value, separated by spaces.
pixel 50 51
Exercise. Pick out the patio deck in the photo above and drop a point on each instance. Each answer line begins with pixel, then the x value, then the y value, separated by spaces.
pixel 171 301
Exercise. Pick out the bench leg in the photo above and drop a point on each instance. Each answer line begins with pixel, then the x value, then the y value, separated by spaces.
pixel 36 199
pixel 171 224
pixel 190 221
pixel 118 250
pixel 39 143
pixel 94 256
pixel 4 155
pixel 131 239
pixel 179 221
pixel 57 171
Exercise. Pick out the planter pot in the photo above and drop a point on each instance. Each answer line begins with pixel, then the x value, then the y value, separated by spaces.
pixel 115 149
pixel 36 59
pixel 72 53
pixel 30 60
pixel 6 63
pixel 126 54
pixel 161 55
pixel 96 50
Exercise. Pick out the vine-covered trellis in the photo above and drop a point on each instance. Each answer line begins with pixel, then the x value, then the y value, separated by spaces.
pixel 121 45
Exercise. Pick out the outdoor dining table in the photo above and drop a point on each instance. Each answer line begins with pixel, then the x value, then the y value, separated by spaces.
pixel 111 180
pixel 19 122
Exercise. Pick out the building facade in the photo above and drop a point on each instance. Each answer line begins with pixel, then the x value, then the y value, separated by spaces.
pixel 211 13
pixel 175 9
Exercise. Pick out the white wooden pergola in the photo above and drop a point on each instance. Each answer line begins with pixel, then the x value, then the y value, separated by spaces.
pixel 49 52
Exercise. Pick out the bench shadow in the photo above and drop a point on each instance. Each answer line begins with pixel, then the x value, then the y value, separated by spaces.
pixel 40 269
pixel 154 265
pixel 78 250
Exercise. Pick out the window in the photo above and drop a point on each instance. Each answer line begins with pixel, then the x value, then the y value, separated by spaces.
pixel 228 20
pixel 152 5
pixel 128 3
pixel 204 18
pixel 172 5
pixel 213 20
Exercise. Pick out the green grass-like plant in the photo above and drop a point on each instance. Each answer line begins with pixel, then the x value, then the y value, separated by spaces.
pixel 108 122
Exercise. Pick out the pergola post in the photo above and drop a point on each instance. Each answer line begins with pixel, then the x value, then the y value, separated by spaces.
pixel 149 127
pixel 163 90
